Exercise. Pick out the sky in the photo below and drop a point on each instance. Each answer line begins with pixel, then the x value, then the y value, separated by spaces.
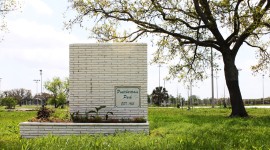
pixel 37 40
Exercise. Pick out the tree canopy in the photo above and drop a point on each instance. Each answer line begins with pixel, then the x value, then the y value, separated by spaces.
pixel 185 31
pixel 18 94
pixel 59 90
pixel 5 7
pixel 160 95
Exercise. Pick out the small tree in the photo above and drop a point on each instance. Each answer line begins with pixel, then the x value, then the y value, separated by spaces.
pixel 59 90
pixel 9 102
pixel 61 99
pixel 160 95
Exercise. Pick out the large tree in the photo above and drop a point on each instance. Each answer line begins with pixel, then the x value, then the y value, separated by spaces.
pixel 185 32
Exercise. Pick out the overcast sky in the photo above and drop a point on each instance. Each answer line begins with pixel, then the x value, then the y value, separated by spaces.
pixel 36 40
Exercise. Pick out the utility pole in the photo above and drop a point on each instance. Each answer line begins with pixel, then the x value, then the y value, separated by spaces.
pixel 36 85
pixel 188 96
pixel 159 75
pixel 40 81
pixel 0 85
pixel 217 83
pixel 180 100
pixel 164 82
pixel 212 78
pixel 263 87
pixel 43 103
pixel 37 89
pixel 176 101
pixel 191 98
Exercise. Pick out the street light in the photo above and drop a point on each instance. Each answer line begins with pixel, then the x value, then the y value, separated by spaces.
pixel 188 96
pixel 263 87
pixel 212 77
pixel 191 99
pixel 40 81
pixel 0 85
pixel 159 75
pixel 37 89
pixel 164 82
pixel 217 82
pixel 41 87
pixel 36 85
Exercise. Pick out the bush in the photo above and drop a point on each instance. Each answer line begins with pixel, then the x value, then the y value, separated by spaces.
pixel 9 102
pixel 44 113
pixel 139 120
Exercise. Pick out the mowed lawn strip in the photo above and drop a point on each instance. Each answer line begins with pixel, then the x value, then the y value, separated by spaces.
pixel 170 128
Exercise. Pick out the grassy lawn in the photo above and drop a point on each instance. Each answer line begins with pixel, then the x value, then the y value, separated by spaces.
pixel 169 129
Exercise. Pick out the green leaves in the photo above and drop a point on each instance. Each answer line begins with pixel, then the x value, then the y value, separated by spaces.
pixel 9 102
pixel 100 107
pixel 59 88
pixel 6 6
pixel 183 32
pixel 160 95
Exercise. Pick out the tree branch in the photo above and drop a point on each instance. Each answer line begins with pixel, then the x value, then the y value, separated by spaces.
pixel 255 46
pixel 149 27
pixel 253 26
pixel 200 12
pixel 157 5
pixel 266 24
pixel 236 24
pixel 209 21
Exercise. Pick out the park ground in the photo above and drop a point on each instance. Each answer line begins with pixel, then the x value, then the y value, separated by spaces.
pixel 173 128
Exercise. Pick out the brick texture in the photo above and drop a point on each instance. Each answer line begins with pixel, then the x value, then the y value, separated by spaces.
pixel 36 129
pixel 95 71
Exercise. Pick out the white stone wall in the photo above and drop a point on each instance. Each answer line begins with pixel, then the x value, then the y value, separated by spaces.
pixel 95 71
pixel 36 129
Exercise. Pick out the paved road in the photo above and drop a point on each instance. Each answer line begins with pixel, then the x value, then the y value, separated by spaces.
pixel 267 106
pixel 257 106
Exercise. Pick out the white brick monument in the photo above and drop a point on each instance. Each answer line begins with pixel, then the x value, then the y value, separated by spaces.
pixel 114 75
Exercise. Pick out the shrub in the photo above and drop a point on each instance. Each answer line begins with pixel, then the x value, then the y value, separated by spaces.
pixel 97 117
pixel 9 102
pixel 139 120
pixel 44 113
pixel 76 117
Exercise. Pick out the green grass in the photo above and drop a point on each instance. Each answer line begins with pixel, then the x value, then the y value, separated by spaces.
pixel 169 129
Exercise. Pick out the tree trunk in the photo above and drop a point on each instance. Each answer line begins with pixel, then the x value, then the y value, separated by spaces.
pixel 231 76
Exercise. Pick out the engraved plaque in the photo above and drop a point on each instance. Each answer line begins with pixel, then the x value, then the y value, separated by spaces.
pixel 127 96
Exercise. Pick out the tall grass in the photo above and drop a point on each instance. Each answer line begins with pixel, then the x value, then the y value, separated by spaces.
pixel 169 129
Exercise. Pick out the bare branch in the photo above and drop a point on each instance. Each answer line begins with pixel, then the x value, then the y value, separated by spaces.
pixel 255 46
